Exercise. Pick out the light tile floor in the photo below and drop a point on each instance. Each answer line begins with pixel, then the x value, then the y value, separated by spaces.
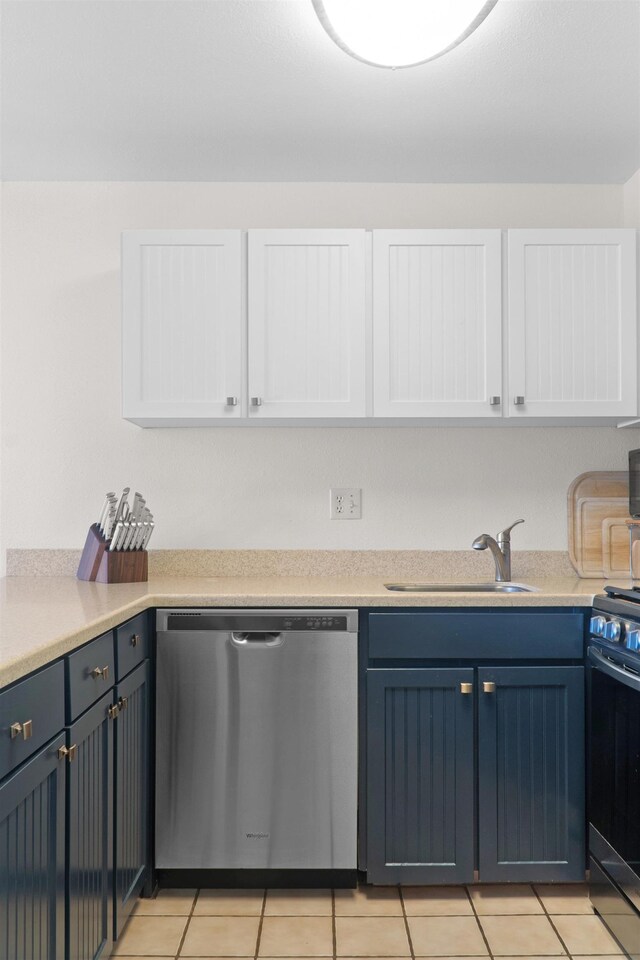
pixel 477 923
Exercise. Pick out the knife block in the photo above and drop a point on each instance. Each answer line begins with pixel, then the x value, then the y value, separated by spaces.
pixel 106 566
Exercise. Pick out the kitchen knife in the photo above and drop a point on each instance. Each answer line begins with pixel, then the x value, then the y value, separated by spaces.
pixel 122 504
pixel 148 532
pixel 121 527
pixel 111 516
pixel 105 511
pixel 139 534
pixel 138 504
pixel 116 536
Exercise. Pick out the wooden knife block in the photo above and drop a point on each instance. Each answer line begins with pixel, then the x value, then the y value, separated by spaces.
pixel 105 566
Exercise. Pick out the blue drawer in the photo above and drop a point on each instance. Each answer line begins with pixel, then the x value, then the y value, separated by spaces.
pixel 132 644
pixel 90 673
pixel 37 704
pixel 476 636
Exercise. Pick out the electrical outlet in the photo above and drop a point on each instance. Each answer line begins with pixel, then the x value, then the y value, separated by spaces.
pixel 346 503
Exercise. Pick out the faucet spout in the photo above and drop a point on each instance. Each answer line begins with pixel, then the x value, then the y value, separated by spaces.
pixel 500 548
pixel 503 565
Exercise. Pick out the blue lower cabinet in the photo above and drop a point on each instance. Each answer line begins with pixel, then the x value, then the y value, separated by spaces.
pixel 90 832
pixel 132 792
pixel 420 775
pixel 32 866
pixel 531 791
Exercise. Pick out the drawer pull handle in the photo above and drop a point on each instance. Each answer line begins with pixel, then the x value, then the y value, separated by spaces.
pixel 489 686
pixel 135 640
pixel 113 711
pixel 68 752
pixel 25 729
pixel 466 688
pixel 100 672
pixel 123 703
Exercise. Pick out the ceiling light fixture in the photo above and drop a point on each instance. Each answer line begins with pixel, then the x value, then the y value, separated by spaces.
pixel 400 33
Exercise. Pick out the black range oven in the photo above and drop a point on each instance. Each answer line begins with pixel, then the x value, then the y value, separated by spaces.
pixel 613 659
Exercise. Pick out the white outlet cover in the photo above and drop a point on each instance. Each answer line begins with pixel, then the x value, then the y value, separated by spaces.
pixel 345 503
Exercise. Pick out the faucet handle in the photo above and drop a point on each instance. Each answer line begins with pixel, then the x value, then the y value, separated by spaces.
pixel 505 535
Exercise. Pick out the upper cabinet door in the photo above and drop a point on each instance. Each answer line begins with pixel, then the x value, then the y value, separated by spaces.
pixel 572 323
pixel 437 323
pixel 182 325
pixel 307 323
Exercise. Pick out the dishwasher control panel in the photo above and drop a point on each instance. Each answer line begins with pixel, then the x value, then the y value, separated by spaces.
pixel 247 621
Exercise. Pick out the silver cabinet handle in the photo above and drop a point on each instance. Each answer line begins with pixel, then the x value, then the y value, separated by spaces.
pixel 518 401
pixel 26 729
pixel 232 402
pixel 100 672
pixel 256 401
pixel 495 401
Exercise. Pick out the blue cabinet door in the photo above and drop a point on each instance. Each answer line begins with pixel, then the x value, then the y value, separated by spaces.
pixel 32 822
pixel 531 773
pixel 420 776
pixel 131 814
pixel 90 833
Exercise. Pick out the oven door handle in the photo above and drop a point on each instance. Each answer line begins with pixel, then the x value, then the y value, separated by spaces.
pixel 617 673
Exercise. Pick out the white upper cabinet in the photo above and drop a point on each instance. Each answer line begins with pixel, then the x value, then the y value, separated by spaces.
pixel 306 335
pixel 572 323
pixel 437 323
pixel 182 325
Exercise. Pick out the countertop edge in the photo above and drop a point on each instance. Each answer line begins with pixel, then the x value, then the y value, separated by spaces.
pixel 58 646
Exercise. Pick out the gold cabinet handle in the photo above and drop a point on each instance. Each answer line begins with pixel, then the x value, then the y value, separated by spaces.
pixel 68 752
pixel 489 686
pixel 113 711
pixel 123 703
pixel 100 672
pixel 466 688
pixel 22 729
pixel 62 752
pixel 135 640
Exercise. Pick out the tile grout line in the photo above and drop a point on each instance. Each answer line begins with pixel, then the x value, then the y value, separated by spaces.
pixel 333 923
pixel 478 921
pixel 406 923
pixel 184 932
pixel 550 919
pixel 264 907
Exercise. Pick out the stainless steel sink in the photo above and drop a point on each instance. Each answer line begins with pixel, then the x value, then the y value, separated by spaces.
pixel 460 587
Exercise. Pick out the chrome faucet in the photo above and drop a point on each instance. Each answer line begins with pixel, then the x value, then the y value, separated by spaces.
pixel 500 548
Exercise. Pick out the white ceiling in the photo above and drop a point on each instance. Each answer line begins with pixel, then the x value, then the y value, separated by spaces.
pixel 543 91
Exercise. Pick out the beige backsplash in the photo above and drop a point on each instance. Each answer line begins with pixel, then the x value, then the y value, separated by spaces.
pixel 432 565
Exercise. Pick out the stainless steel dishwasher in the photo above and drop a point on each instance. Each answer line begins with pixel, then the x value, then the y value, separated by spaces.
pixel 256 746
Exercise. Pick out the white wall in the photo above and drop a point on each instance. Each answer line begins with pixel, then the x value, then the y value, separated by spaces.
pixel 65 444
pixel 631 201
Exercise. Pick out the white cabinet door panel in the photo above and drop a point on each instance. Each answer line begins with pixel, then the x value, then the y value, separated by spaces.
pixel 572 323
pixel 437 327
pixel 307 323
pixel 182 324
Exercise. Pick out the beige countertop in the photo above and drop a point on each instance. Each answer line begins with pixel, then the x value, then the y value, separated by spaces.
pixel 42 618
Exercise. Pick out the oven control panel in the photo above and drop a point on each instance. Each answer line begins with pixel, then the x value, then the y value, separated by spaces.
pixel 622 632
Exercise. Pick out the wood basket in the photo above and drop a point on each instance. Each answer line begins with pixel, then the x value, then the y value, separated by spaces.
pixel 111 566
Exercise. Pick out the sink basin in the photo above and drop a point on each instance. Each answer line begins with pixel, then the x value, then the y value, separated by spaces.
pixel 460 587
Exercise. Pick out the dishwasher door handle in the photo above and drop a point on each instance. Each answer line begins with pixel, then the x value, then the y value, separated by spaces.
pixel 256 638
